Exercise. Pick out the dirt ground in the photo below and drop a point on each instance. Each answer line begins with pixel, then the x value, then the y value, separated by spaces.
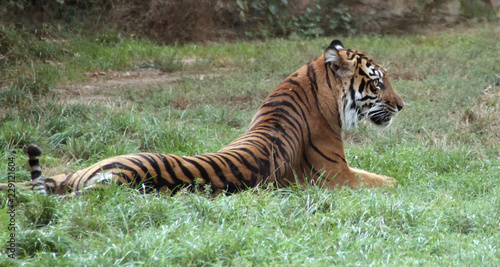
pixel 101 85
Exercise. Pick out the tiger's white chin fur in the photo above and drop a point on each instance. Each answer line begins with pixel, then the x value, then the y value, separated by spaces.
pixel 349 119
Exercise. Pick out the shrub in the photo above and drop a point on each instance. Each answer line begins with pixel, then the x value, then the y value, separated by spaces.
pixel 265 18
pixel 168 21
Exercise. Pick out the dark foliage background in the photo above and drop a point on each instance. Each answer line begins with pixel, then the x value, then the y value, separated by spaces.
pixel 171 21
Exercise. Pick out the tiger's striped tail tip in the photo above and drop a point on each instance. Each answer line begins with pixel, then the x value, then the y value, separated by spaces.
pixel 34 152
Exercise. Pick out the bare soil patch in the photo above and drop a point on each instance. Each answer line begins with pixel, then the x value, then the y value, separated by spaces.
pixel 101 85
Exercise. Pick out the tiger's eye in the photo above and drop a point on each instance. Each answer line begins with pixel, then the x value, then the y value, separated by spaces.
pixel 375 82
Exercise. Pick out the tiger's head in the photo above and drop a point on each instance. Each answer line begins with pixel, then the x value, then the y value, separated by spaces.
pixel 367 91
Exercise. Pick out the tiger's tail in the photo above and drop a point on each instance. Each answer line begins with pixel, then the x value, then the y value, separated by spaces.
pixel 37 180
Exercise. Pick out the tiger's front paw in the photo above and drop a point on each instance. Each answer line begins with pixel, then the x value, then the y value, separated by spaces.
pixel 389 181
pixel 377 180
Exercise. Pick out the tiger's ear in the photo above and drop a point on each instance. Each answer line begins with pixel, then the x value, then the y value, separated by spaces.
pixel 337 45
pixel 341 67
pixel 332 52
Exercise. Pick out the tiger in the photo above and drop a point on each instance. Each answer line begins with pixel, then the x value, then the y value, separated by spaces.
pixel 295 137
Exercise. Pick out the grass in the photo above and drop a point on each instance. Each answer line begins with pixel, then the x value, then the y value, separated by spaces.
pixel 443 148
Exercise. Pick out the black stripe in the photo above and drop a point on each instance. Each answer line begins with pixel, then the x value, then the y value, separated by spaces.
pixel 303 116
pixel 342 158
pixel 185 170
pixel 328 75
pixel 261 148
pixel 284 135
pixel 116 165
pixel 382 86
pixel 353 95
pixel 218 158
pixel 273 139
pixel 298 85
pixel 283 103
pixel 35 175
pixel 173 175
pixel 217 169
pixel 201 169
pixel 262 164
pixel 254 171
pixel 153 163
pixel 265 132
pixel 276 113
pixel 83 177
pixel 366 97
pixel 50 186
pixel 362 73
pixel 155 160
pixel 321 153
pixel 311 74
pixel 361 87
pixel 301 101
pixel 236 173
pixel 244 161
pixel 147 175
pixel 310 166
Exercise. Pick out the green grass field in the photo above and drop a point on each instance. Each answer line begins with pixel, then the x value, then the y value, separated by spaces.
pixel 443 148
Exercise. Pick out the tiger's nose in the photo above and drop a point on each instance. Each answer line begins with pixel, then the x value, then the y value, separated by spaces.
pixel 400 106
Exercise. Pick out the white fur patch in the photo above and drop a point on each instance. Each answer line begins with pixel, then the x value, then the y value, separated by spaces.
pixel 39 186
pixel 339 47
pixel 349 116
pixel 100 178
pixel 331 55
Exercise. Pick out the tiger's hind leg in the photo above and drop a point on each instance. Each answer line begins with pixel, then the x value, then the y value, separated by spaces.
pixel 98 181
pixel 54 184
